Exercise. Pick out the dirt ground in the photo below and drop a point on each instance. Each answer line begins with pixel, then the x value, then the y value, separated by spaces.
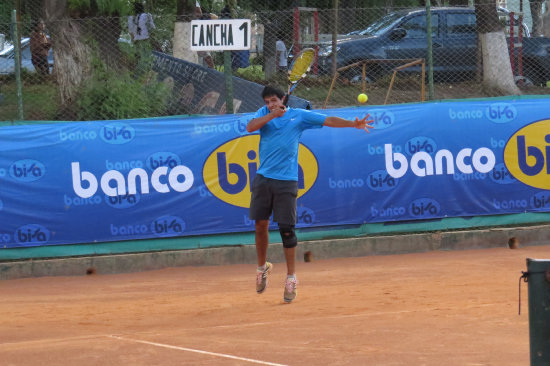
pixel 436 308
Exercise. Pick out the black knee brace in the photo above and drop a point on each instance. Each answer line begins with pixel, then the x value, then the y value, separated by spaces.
pixel 288 235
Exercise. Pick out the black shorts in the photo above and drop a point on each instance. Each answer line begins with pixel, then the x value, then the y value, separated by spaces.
pixel 273 195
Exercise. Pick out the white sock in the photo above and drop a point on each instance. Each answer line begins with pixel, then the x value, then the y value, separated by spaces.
pixel 291 277
pixel 262 268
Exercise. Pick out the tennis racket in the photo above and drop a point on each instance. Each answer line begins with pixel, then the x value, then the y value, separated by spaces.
pixel 298 70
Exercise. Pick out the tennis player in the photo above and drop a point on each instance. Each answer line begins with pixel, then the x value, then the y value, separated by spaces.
pixel 275 187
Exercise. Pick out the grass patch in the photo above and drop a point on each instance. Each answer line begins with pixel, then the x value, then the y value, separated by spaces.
pixel 39 100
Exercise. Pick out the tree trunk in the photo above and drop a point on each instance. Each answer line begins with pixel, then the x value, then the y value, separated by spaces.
pixel 182 31
pixel 72 56
pixel 72 52
pixel 497 70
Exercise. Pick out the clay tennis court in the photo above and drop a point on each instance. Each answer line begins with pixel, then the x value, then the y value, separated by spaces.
pixel 435 308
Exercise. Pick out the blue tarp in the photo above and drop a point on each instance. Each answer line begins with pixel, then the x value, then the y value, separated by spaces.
pixel 107 181
pixel 200 90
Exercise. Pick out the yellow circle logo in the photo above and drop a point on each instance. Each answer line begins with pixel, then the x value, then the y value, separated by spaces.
pixel 527 154
pixel 229 170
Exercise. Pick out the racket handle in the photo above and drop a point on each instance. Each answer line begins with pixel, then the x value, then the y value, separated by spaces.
pixel 285 99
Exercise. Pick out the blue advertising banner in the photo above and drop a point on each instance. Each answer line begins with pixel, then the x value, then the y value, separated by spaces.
pixel 135 179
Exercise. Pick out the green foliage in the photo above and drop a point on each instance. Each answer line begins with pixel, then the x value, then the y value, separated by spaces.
pixel 164 32
pixel 128 53
pixel 104 7
pixel 115 95
pixel 79 4
pixel 111 7
pixel 5 14
pixel 252 73
pixel 258 60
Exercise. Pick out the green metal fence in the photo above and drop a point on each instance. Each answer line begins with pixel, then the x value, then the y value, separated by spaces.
pixel 96 69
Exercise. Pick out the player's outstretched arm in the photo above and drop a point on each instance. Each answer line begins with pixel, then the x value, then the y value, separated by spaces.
pixel 362 124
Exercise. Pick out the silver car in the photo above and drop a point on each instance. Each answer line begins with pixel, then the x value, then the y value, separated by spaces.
pixel 7 58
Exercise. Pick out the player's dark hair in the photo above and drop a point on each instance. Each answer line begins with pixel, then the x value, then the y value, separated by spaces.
pixel 270 90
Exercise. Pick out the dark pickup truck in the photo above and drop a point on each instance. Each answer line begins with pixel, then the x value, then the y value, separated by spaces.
pixel 402 35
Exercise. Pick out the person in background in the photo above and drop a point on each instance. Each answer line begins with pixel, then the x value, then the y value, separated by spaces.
pixel 240 58
pixel 40 48
pixel 282 55
pixel 140 26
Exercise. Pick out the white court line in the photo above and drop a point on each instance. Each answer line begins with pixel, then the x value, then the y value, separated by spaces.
pixel 196 351
pixel 51 340
pixel 379 313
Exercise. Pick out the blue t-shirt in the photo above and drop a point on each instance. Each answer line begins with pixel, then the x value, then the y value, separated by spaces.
pixel 279 141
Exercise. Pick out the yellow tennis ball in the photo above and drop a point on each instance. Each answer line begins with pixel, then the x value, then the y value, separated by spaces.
pixel 362 98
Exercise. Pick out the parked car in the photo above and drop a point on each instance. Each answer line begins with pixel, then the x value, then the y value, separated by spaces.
pixel 402 35
pixel 503 13
pixel 7 58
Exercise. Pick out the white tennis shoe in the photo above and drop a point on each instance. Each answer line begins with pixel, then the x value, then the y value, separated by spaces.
pixel 261 278
pixel 290 289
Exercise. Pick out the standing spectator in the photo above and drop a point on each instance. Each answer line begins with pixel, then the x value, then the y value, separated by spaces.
pixel 282 55
pixel 140 26
pixel 239 59
pixel 40 48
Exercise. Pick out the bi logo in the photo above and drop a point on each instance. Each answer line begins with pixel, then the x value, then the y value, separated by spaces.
pixel 32 233
pixel 527 154
pixel 168 226
pixel 541 201
pixel 305 216
pixel 424 207
pixel 383 118
pixel 27 170
pixel 501 112
pixel 117 133
pixel 240 125
pixel 123 201
pixel 420 143
pixel 230 169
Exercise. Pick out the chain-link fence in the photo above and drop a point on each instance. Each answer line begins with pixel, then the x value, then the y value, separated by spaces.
pixel 131 67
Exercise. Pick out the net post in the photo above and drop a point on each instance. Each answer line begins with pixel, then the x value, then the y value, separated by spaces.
pixel 538 271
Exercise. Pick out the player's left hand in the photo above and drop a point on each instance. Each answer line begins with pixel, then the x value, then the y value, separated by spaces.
pixel 364 123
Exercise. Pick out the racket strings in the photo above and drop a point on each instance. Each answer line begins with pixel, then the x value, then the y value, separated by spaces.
pixel 301 65
pixel 299 69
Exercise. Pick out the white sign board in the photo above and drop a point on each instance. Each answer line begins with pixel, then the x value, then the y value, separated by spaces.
pixel 220 34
